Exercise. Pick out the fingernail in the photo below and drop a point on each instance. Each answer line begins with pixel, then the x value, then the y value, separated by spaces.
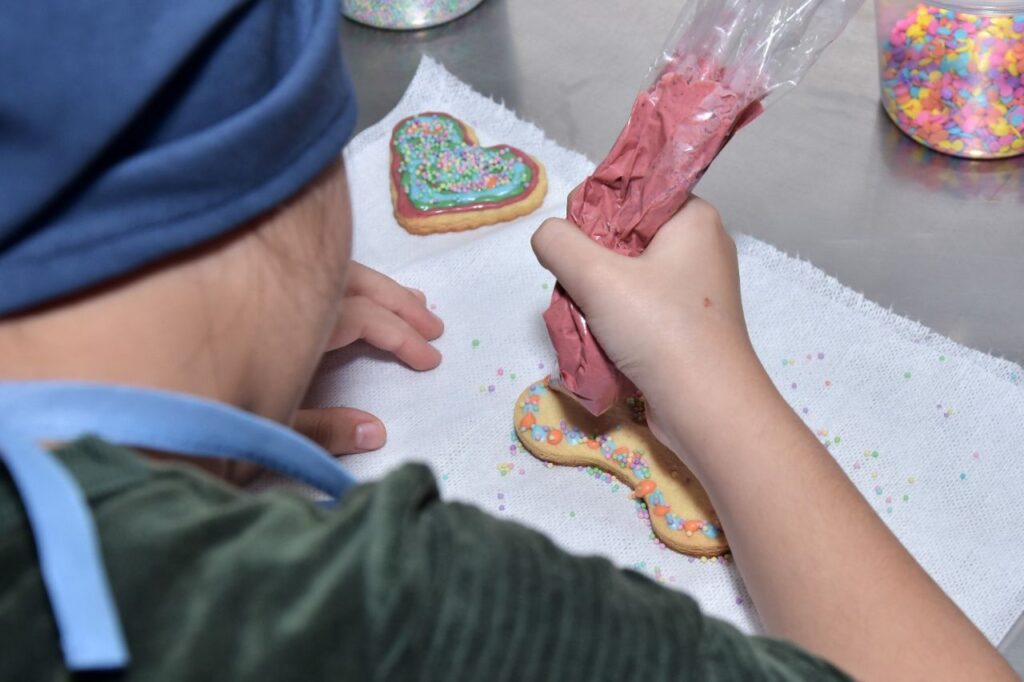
pixel 369 436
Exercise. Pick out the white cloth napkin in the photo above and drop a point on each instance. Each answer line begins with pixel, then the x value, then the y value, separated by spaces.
pixel 932 433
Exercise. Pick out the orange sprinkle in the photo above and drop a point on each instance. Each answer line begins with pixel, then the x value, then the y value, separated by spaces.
pixel 692 526
pixel 554 437
pixel 621 451
pixel 592 444
pixel 660 510
pixel 645 488
pixel 528 421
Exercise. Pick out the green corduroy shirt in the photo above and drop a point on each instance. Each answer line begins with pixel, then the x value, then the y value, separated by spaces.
pixel 215 583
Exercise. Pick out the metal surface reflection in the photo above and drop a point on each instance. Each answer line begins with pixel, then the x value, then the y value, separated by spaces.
pixel 383 62
pixel 991 181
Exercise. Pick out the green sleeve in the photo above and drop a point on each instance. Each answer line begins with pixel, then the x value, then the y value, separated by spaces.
pixel 391 584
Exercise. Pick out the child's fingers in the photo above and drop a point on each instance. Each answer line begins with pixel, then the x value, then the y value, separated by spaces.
pixel 341 430
pixel 420 296
pixel 362 318
pixel 697 226
pixel 408 304
pixel 579 263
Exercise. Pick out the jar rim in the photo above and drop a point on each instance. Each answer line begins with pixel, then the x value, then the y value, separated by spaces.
pixel 1001 7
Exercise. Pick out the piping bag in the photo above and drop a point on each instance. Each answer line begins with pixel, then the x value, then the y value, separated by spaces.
pixel 723 62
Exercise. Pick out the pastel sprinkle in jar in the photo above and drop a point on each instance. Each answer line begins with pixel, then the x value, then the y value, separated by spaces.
pixel 952 74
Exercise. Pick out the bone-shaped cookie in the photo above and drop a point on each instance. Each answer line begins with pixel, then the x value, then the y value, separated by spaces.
pixel 556 429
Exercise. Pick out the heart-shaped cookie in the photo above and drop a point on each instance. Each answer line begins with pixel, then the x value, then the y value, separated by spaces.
pixel 556 429
pixel 443 181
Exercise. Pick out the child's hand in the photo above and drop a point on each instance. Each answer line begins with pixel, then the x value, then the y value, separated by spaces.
pixel 805 540
pixel 375 309
pixel 671 318
pixel 378 310
pixel 388 316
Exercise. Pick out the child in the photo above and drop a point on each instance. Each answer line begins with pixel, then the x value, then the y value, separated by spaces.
pixel 174 239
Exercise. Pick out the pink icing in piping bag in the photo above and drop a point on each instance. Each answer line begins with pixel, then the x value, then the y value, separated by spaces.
pixel 725 57
pixel 674 132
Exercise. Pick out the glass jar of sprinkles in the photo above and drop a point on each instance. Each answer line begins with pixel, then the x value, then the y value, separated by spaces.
pixel 405 14
pixel 952 74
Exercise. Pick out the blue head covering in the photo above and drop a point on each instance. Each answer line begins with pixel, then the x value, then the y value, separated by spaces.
pixel 134 129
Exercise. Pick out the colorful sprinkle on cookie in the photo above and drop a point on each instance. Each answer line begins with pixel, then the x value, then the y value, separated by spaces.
pixel 556 429
pixel 442 180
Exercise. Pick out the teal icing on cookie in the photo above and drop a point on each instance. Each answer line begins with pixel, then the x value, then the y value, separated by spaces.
pixel 439 169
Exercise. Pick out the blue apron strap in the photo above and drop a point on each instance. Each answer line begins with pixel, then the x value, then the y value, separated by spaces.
pixel 65 536
pixel 69 556
pixel 169 422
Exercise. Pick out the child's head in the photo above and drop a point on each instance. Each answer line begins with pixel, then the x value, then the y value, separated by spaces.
pixel 173 204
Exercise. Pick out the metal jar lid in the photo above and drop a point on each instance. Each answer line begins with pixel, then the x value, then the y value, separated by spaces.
pixel 405 14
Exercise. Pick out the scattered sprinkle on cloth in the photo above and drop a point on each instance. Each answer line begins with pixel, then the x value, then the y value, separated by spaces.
pixel 930 432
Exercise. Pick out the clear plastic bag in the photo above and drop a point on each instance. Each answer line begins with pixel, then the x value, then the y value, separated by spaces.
pixel 724 60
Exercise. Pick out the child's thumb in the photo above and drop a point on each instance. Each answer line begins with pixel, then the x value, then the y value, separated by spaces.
pixel 571 256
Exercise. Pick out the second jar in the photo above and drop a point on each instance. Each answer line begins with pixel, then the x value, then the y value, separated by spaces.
pixel 951 74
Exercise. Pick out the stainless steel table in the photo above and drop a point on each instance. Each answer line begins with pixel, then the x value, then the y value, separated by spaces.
pixel 823 173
